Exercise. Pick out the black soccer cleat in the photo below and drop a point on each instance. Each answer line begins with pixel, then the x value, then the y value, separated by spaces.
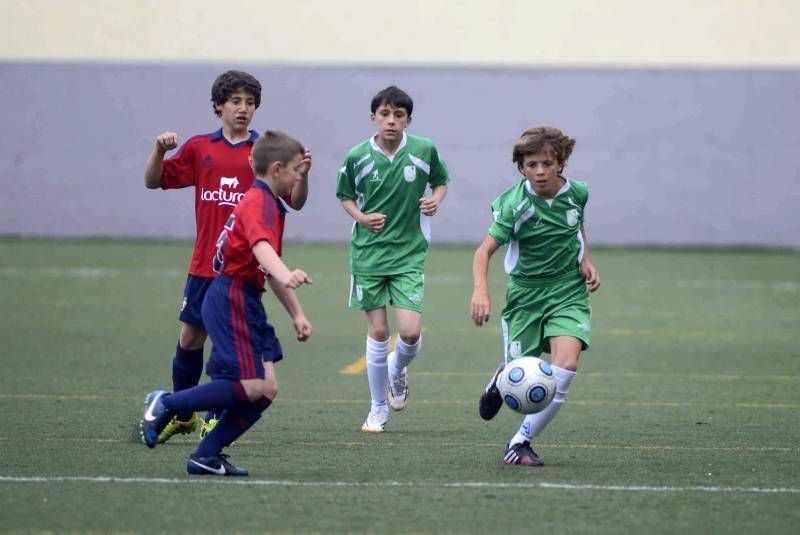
pixel 521 453
pixel 216 465
pixel 491 401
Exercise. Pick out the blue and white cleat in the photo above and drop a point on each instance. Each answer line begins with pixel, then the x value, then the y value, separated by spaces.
pixel 155 419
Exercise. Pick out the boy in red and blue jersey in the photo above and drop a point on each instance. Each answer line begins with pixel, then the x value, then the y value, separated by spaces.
pixel 217 165
pixel 245 348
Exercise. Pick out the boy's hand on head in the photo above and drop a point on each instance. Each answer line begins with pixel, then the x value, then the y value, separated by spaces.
pixel 305 162
pixel 297 277
pixel 302 327
pixel 428 205
pixel 373 222
pixel 167 141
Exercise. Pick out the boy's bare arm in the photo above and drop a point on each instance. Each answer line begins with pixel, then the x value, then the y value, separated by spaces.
pixel 481 303
pixel 155 163
pixel 587 267
pixel 373 222
pixel 273 265
pixel 291 303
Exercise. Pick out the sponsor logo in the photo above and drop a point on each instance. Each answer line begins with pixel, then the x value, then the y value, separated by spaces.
pixel 183 304
pixel 229 182
pixel 221 196
pixel 375 176
pixel 208 161
pixel 149 416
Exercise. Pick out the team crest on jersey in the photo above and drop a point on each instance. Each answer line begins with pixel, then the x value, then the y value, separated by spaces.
pixel 572 217
pixel 410 173
pixel 375 176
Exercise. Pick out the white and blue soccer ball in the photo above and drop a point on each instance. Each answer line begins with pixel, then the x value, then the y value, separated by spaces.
pixel 527 385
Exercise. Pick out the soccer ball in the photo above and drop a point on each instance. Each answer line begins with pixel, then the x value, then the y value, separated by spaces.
pixel 527 385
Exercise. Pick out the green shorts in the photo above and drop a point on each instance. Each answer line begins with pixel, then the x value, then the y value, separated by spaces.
pixel 406 290
pixel 534 314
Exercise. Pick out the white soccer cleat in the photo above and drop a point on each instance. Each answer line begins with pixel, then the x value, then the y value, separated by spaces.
pixel 398 386
pixel 376 420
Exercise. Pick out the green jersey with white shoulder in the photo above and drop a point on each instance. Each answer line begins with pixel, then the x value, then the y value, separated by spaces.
pixel 543 235
pixel 393 186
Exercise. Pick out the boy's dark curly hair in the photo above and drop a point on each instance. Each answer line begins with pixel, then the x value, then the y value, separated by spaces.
pixel 229 83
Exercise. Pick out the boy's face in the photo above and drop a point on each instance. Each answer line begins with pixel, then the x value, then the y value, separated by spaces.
pixel 542 171
pixel 287 175
pixel 391 123
pixel 237 111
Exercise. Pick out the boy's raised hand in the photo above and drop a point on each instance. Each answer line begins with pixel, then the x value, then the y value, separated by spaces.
pixel 166 141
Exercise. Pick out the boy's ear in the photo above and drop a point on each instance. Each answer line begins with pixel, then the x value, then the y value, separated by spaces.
pixel 409 120
pixel 274 167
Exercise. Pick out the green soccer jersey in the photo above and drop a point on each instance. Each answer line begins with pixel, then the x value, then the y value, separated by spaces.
pixel 391 186
pixel 543 236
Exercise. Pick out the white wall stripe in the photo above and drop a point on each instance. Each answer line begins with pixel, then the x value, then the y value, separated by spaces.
pixel 391 484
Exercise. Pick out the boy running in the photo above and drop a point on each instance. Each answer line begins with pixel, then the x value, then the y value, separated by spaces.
pixel 245 347
pixel 382 187
pixel 547 309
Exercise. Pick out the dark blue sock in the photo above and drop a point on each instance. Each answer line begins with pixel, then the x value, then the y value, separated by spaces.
pixel 232 424
pixel 187 368
pixel 219 394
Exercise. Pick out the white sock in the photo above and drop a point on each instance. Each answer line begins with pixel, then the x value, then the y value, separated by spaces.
pixel 404 354
pixel 377 374
pixel 533 424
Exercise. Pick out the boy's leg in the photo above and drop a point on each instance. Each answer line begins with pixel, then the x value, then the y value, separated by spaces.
pixel 407 295
pixel 377 376
pixel 219 394
pixel 407 346
pixel 565 351
pixel 187 363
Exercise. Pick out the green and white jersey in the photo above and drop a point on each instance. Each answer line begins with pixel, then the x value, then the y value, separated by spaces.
pixel 393 186
pixel 543 236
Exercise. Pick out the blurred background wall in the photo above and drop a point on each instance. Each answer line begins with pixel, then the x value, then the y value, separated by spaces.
pixel 686 112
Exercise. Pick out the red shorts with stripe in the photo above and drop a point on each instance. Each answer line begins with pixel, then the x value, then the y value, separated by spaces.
pixel 237 324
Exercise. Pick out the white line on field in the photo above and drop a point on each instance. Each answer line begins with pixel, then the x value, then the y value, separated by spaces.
pixel 390 484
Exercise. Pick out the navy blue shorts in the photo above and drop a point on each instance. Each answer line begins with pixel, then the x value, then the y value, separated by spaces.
pixel 193 295
pixel 237 324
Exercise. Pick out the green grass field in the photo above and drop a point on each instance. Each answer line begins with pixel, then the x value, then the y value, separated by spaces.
pixel 684 416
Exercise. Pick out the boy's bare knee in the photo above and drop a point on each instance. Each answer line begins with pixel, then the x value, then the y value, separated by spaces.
pixel 191 337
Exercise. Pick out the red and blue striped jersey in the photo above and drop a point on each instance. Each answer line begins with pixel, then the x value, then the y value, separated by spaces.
pixel 259 216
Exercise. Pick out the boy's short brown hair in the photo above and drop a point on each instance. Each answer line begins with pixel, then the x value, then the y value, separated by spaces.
pixel 542 139
pixel 273 146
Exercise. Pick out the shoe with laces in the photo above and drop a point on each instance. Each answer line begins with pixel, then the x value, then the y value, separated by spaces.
pixel 491 400
pixel 398 386
pixel 216 465
pixel 178 427
pixel 155 419
pixel 206 427
pixel 521 453
pixel 376 420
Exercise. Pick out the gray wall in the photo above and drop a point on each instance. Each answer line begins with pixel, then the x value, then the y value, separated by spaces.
pixel 672 156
